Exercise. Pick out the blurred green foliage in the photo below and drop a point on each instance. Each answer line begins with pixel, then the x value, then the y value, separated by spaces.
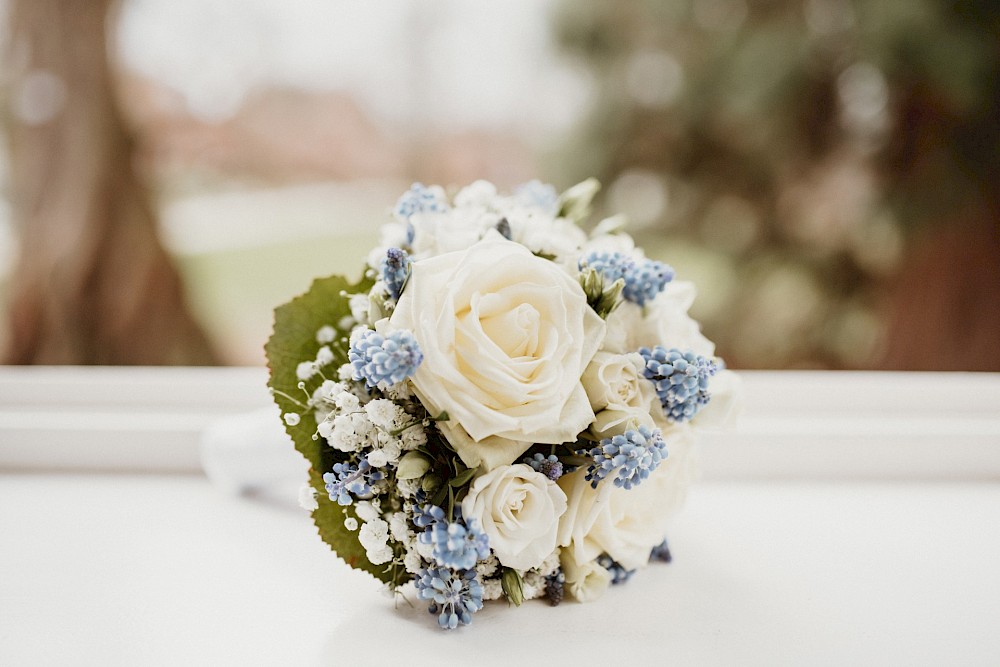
pixel 784 153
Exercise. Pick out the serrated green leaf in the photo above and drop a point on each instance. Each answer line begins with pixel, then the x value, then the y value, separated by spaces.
pixel 294 341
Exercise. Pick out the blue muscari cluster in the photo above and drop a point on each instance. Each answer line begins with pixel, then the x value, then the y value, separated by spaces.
pixel 681 380
pixel 425 514
pixel 384 360
pixel 456 546
pixel 619 575
pixel 349 480
pixel 538 194
pixel 643 280
pixel 630 457
pixel 419 199
pixel 555 585
pixel 454 596
pixel 661 552
pixel 395 269
pixel 549 466
pixel 611 265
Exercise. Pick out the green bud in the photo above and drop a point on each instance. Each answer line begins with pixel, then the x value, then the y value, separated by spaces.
pixel 430 482
pixel 610 299
pixel 512 586
pixel 575 202
pixel 412 466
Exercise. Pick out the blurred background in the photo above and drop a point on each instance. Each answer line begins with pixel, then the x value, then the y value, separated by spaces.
pixel 825 170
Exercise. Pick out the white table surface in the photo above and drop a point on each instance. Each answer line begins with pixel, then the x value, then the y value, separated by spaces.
pixel 852 519
pixel 167 570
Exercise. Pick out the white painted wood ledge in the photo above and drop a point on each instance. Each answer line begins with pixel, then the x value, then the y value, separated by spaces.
pixel 797 425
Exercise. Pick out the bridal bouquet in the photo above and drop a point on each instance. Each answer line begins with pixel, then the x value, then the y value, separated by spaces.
pixel 504 405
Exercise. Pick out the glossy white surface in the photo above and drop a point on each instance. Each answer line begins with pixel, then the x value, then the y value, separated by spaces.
pixel 167 570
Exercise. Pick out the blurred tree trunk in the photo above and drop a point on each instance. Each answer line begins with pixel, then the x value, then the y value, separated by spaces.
pixel 93 284
pixel 944 313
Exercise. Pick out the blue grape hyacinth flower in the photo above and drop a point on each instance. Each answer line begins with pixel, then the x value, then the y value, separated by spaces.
pixel 382 361
pixel 628 458
pixel 681 380
pixel 454 596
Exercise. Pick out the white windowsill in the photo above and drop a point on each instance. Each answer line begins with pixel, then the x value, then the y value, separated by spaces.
pixel 797 425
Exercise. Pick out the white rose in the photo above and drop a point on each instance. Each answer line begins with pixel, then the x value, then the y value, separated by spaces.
pixel 585 581
pixel 457 229
pixel 726 404
pixel 626 524
pixel 543 234
pixel 519 510
pixel 665 322
pixel 506 337
pixel 619 393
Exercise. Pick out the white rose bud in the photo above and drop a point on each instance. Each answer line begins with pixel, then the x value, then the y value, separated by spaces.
pixel 620 395
pixel 585 581
pixel 519 510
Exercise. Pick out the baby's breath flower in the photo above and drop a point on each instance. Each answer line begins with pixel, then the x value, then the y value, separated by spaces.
pixel 326 334
pixel 307 498
pixel 324 356
pixel 305 370
pixel 382 413
pixel 374 536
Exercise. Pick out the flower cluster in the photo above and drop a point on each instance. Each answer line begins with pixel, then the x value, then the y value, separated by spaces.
pixel 504 406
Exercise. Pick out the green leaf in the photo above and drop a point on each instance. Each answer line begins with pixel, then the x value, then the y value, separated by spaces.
pixel 440 495
pixel 462 478
pixel 512 586
pixel 294 341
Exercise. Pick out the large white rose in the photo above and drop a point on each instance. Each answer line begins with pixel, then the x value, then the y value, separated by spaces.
pixel 506 337
pixel 626 524
pixel 665 322
pixel 519 510
pixel 619 393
